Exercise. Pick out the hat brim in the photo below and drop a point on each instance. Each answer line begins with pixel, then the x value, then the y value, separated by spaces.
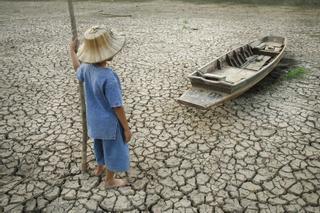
pixel 100 49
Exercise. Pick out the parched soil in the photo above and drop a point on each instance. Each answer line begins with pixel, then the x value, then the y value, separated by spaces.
pixel 257 153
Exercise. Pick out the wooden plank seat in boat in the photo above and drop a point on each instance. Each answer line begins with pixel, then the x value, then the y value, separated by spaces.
pixel 214 76
pixel 233 74
pixel 261 46
pixel 269 47
pixel 258 63
pixel 230 74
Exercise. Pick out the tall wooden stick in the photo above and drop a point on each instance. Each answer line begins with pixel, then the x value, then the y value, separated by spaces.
pixel 82 100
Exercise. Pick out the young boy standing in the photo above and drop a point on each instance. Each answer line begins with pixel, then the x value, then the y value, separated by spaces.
pixel 106 119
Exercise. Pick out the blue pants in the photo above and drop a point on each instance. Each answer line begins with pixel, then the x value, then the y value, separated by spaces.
pixel 114 154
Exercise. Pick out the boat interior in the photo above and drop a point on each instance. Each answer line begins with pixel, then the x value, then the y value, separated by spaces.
pixel 243 62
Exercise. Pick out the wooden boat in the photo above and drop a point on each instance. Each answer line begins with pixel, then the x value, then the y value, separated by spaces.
pixel 234 73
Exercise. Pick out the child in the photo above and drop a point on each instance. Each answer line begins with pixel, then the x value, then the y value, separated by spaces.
pixel 106 119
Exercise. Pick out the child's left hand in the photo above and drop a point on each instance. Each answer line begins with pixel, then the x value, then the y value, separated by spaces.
pixel 127 135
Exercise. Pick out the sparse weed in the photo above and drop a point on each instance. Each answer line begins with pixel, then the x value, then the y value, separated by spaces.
pixel 295 73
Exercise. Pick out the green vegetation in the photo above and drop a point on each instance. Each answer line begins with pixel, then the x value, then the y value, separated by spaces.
pixel 295 73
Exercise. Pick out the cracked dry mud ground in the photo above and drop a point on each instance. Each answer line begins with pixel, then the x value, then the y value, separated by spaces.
pixel 258 153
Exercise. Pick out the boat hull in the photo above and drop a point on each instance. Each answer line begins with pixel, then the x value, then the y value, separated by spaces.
pixel 205 93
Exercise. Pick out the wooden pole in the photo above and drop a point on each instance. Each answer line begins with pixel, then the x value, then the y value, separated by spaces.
pixel 82 99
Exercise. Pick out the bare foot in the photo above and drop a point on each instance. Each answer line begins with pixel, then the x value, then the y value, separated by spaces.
pixel 116 183
pixel 99 170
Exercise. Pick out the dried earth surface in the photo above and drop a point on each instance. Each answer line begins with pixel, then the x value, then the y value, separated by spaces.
pixel 259 152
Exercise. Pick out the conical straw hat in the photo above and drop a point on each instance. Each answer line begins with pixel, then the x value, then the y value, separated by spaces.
pixel 99 44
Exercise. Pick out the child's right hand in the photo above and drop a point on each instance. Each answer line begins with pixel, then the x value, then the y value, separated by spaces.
pixel 73 45
pixel 127 135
